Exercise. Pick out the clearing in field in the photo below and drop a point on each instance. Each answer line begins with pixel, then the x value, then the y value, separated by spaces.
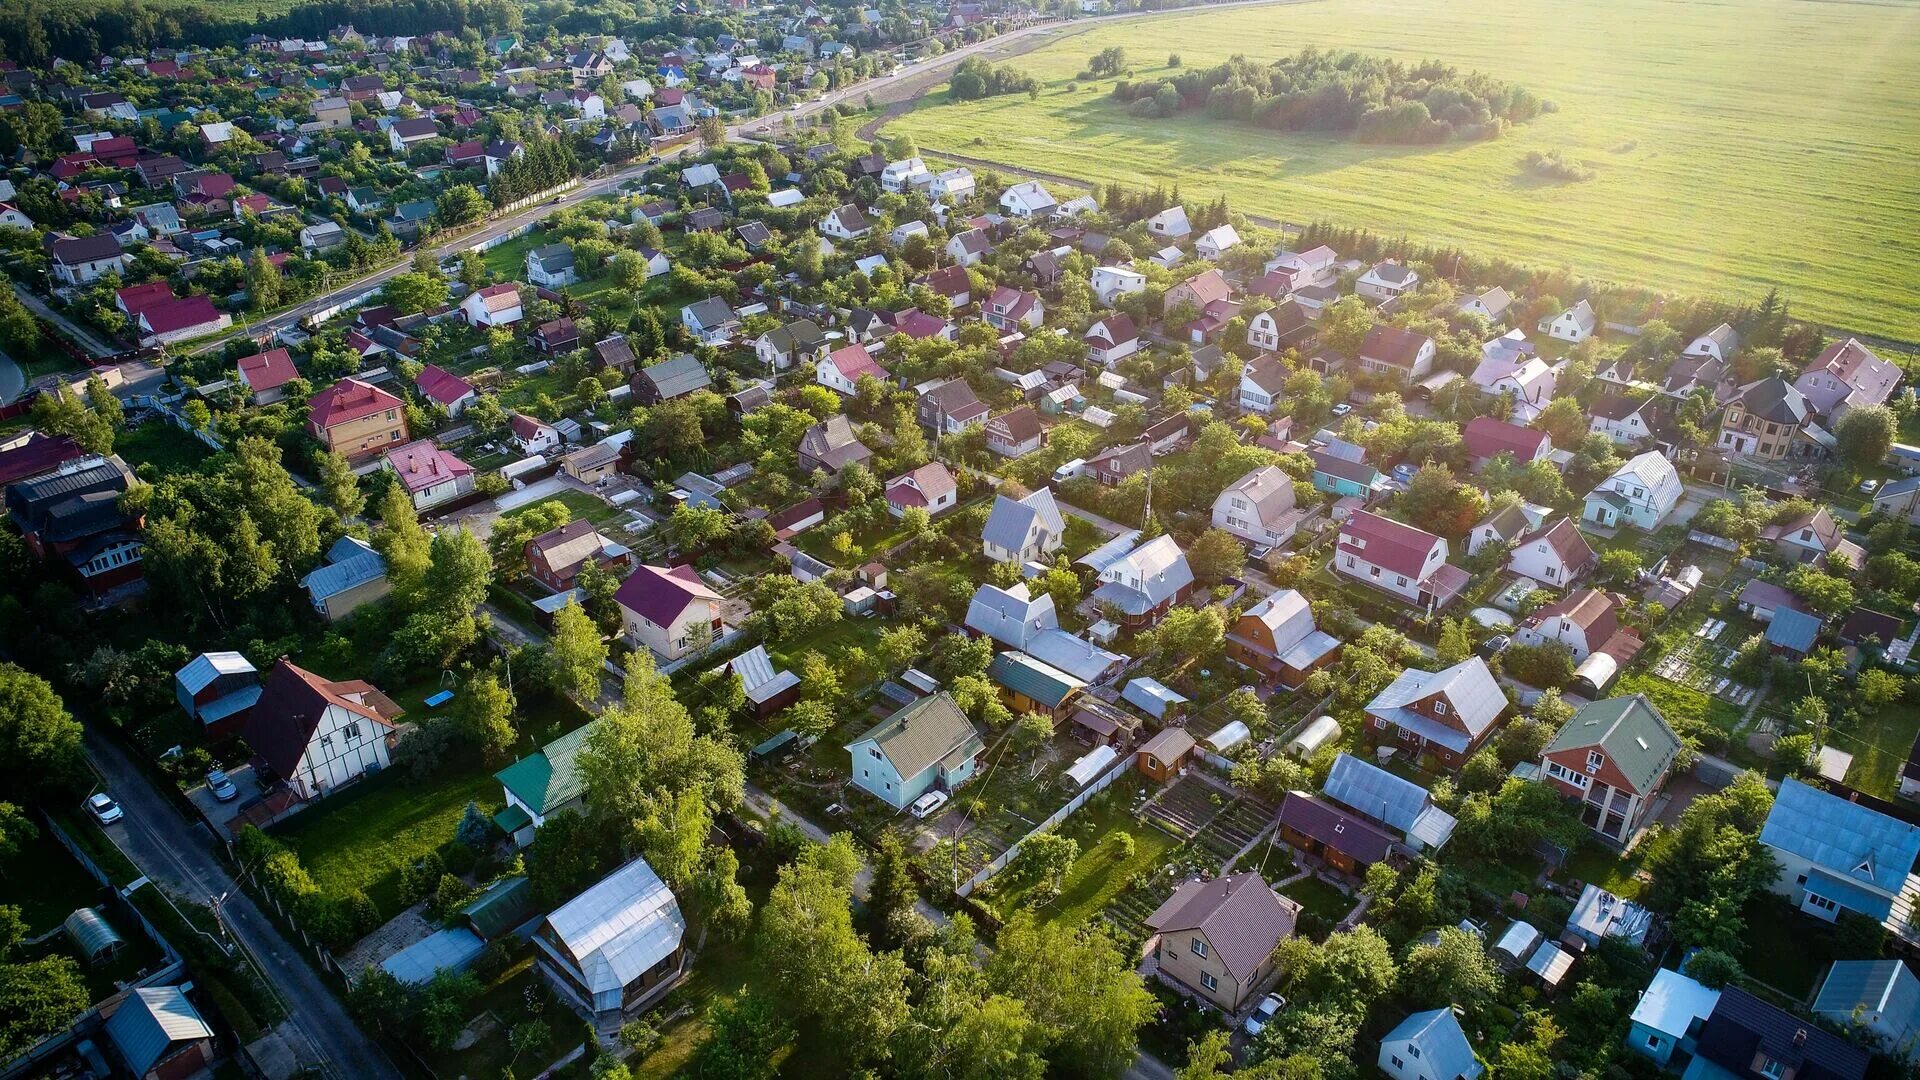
pixel 1733 147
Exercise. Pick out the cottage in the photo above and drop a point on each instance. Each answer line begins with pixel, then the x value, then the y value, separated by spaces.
pixel 1836 854
pixel 845 222
pixel 902 176
pixel 1773 420
pixel 1389 350
pixel 430 475
pixel 672 378
pixel 218 690
pixel 552 266
pixel 1815 539
pixel 1346 841
pixel 1445 714
pixel 1628 421
pixel 1721 343
pixel 926 746
pixel 445 389
pixel 1216 242
pixel 1113 465
pixel 1217 938
pixel 931 487
pixel 1028 200
pixel 842 369
pixel 1428 1046
pixel 1023 530
pixel 1386 280
pixel 1389 801
pixel 1748 1039
pixel 1490 305
pixel 831 446
pixel 949 407
pixel 85 260
pixel 1882 996
pixel 1640 493
pixel 1614 756
pixel 1029 686
pixel 1846 375
pixel 1315 267
pixel 357 419
pixel 172 321
pixel 1162 757
pixel 1487 438
pixel 1575 325
pixel 1278 639
pixel 1509 368
pixel 317 735
pixel 266 375
pixel 1343 477
pixel 1110 283
pixel 615 949
pixel 1010 310
pixel 797 342
pixel 158 1034
pixel 669 611
pixel 1015 434
pixel 1259 508
pixel 1283 326
pixel 1670 1015
pixel 532 436
pixel 711 320
pixel 1555 556
pixel 555 338
pixel 1397 559
pixel 1199 293
pixel 1017 619
pixel 352 575
pixel 970 247
pixel 556 557
pixel 494 305
pixel 1146 582
pixel 540 785
pixel 1262 382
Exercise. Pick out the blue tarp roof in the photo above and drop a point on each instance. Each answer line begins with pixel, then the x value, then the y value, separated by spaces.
pixel 1850 841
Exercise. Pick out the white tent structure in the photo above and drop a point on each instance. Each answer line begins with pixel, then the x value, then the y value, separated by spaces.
pixel 1093 764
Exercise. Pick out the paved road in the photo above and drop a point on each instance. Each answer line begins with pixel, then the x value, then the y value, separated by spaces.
pixel 180 855
pixel 85 337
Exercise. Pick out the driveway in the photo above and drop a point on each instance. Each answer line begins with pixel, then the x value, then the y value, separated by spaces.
pixel 179 854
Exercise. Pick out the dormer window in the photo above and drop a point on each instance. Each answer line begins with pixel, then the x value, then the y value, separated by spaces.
pixel 1440 708
pixel 1594 760
pixel 1865 869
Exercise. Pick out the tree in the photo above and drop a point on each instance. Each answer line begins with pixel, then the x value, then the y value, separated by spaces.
pixel 1865 434
pixel 1825 593
pixel 38 998
pixel 484 713
pixel 579 652
pixel 1441 504
pixel 1044 860
pixel 1620 565
pixel 565 856
pixel 1455 970
pixel 40 750
pixel 341 486
pixel 475 829
pixel 1564 422
pixel 508 542
pixel 1344 325
pixel 1079 989
pixel 713 133
pixel 460 204
pixel 891 890
pixel 1454 645
pixel 1216 556
pixel 744 1034
pixel 1880 688
pixel 416 292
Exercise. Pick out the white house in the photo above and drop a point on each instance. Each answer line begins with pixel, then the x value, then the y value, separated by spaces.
pixel 551 266
pixel 532 436
pixel 1398 559
pixel 1641 493
pixel 1170 223
pixel 1490 305
pixel 430 475
pixel 1215 242
pixel 12 218
pixel 906 231
pixel 1721 343
pixel 711 320
pixel 841 369
pixel 1554 556
pixel 1576 324
pixel 1280 327
pixel 669 611
pixel 968 248
pixel 1847 375
pixel 1508 365
pixel 1429 1046
pixel 930 487
pixel 1110 283
pixel 495 305
pixel 1259 508
pixel 1023 530
pixel 1581 621
pixel 319 735
pixel 845 223
pixel 85 259
pixel 402 135
pixel 1315 267
pixel 926 746
pixel 1112 339
pixel 952 185
pixel 902 176
pixel 1624 420
pixel 1028 200
pixel 1836 854
pixel 1386 280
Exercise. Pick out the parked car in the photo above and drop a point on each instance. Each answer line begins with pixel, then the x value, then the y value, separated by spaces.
pixel 222 786
pixel 928 803
pixel 104 809
pixel 1494 645
pixel 1264 1013
pixel 1867 487
pixel 1342 409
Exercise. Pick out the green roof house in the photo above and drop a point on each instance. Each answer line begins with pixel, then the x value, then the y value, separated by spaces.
pixel 1613 756
pixel 540 785
pixel 1027 685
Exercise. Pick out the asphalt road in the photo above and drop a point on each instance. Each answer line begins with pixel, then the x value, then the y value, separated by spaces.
pixel 180 855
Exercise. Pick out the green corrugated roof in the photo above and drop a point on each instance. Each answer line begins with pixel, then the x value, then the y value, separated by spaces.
pixel 547 780
pixel 512 819
pixel 504 905
pixel 1630 731
pixel 1022 674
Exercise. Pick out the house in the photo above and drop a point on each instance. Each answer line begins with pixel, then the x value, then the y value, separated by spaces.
pixel 1721 343
pixel 842 369
pixel 1315 267
pixel 1490 305
pixel 1171 223
pixel 930 487
pixel 950 407
pixel 1669 1016
pixel 1386 280
pixel 1113 465
pixel 1899 499
pixel 830 446
pixel 1444 714
pixel 31 455
pixel 1028 200
pixel 495 305
pixel 1554 556
pixel 1640 493
pixel 1771 419
pixel 540 785
pixel 1262 381
pixel 1010 309
pixel 1018 619
pixel 969 247
pixel 1487 438
pixel 902 176
pixel 615 949
pixel 768 690
pixel 445 389
pixel 1345 841
pixel 1627 421
pixel 1815 539
pixel 1028 685
pixel 353 574
pixel 670 611
pixel 1846 375
pixel 1283 326
pixel 1763 600
pixel 1793 633
pixel 845 222
pixel 1388 800
pixel 158 1034
pixel 532 436
pixel 555 338
pixel 1613 756
pixel 178 320
pixel 1343 477
pixel 711 320
pixel 1745 1038
pixel 951 283
pixel 926 746
pixel 1389 350
pixel 1278 638
pixel 1259 508
pixel 672 378
pixel 556 557
pixel 1836 854
pixel 1575 325
pixel 1688 374
pixel 1199 292
pixel 357 419
pixel 316 735
pixel 266 375
pixel 1015 434
pixel 551 266
pixel 321 237
pixel 404 135
pixel 1023 530
pixel 217 689
pixel 1110 283
pixel 1162 757
pixel 86 259
pixel 953 185
pixel 1217 938
pixel 1397 559
pixel 1146 582
pixel 782 347
pixel 1508 366
pixel 592 464
pixel 1216 242
pixel 430 475
pixel 1881 996
pixel 1428 1046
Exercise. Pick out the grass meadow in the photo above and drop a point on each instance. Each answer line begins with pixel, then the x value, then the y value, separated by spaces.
pixel 1736 146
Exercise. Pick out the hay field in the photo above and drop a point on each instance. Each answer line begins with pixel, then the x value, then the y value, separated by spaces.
pixel 1738 144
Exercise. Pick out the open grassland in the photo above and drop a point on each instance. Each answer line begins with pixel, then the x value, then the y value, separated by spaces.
pixel 1736 146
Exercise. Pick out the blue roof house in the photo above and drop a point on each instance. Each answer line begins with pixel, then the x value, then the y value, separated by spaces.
pixel 1377 794
pixel 1882 996
pixel 1429 1046
pixel 1793 632
pixel 354 574
pixel 1835 854
pixel 1669 1015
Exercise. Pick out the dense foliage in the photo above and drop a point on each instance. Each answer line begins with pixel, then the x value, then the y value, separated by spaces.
pixel 976 78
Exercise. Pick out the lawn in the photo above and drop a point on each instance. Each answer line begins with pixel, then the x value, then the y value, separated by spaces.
pixel 57 887
pixel 1702 121
pixel 1683 706
pixel 1879 744
pixel 162 445
pixel 1104 866
pixel 1787 949
pixel 1320 899
pixel 591 507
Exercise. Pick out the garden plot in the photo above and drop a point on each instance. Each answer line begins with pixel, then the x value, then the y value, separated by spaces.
pixel 1187 807
pixel 1701 663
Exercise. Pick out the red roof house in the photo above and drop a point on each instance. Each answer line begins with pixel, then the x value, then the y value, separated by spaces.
pixel 1486 438
pixel 267 374
pixel 445 389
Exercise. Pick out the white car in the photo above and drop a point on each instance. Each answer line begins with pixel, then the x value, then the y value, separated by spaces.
pixel 928 803
pixel 1264 1013
pixel 104 809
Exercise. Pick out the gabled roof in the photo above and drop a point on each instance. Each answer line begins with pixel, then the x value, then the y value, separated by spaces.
pixel 1386 543
pixel 1444 1049
pixel 853 361
pixel 1795 630
pixel 659 595
pixel 833 443
pixel 922 487
pixel 1344 832
pixel 1025 675
pixel 202 670
pixel 1243 919
pixel 422 464
pixel 1268 489
pixel 1474 698
pixel 37 455
pixel 150 1020
pixel 1012 521
pixel 1486 437
pixel 1387 344
pixel 1742 1029
pixel 1566 540
pixel 547 779
pixel 566 549
pixel 442 386
pixel 1885 992
pixel 679 376
pixel 1017 426
pixel 347 400
pixel 926 733
pixel 1630 731
pixel 1159 567
pixel 1672 1002
pixel 72 251
pixel 1851 842
pixel 620 928
pixel 292 704
pixel 1370 790
pixel 268 370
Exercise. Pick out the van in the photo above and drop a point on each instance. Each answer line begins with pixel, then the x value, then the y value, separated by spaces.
pixel 1076 467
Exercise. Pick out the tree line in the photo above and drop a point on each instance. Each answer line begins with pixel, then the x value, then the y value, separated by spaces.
pixel 976 78
pixel 1367 98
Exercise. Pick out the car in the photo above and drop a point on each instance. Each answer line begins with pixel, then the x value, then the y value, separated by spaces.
pixel 1494 646
pixel 1342 409
pixel 1867 487
pixel 221 785
pixel 927 804
pixel 104 809
pixel 1263 1014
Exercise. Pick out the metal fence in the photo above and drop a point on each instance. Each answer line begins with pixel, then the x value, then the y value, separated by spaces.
pixel 1100 784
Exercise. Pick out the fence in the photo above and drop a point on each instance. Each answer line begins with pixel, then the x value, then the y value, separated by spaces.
pixel 321 954
pixel 164 407
pixel 1100 784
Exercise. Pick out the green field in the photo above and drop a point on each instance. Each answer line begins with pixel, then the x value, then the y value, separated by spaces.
pixel 1737 146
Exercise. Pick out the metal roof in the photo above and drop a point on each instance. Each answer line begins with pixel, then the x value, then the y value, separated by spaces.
pixel 1851 841
pixel 1791 629
pixel 1024 675
pixel 1672 1002
pixel 151 1019
pixel 1153 696
pixel 1885 992
pixel 620 928
pixel 546 779
pixel 350 563
pixel 443 950
pixel 203 669
pixel 1631 732
pixel 1444 1049
pixel 1600 914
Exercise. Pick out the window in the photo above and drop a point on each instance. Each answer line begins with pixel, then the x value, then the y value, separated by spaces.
pixel 875 751
pixel 1821 903
pixel 1207 980
pixel 1199 946
pixel 351 732
pixel 1349 562
pixel 1413 1051
pixel 1439 708
pixel 1397 1063
pixel 1594 760
pixel 1772 1067
pixel 1653 1041
pixel 1401 580
pixel 326 742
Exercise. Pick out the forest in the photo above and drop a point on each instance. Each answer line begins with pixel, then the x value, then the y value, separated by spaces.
pixel 1366 98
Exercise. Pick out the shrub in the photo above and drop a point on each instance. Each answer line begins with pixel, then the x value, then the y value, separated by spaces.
pixel 1553 165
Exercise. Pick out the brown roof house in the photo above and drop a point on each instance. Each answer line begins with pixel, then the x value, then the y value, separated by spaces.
pixel 1015 434
pixel 831 445
pixel 1160 757
pixel 556 557
pixel 1443 714
pixel 318 735
pixel 1216 938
